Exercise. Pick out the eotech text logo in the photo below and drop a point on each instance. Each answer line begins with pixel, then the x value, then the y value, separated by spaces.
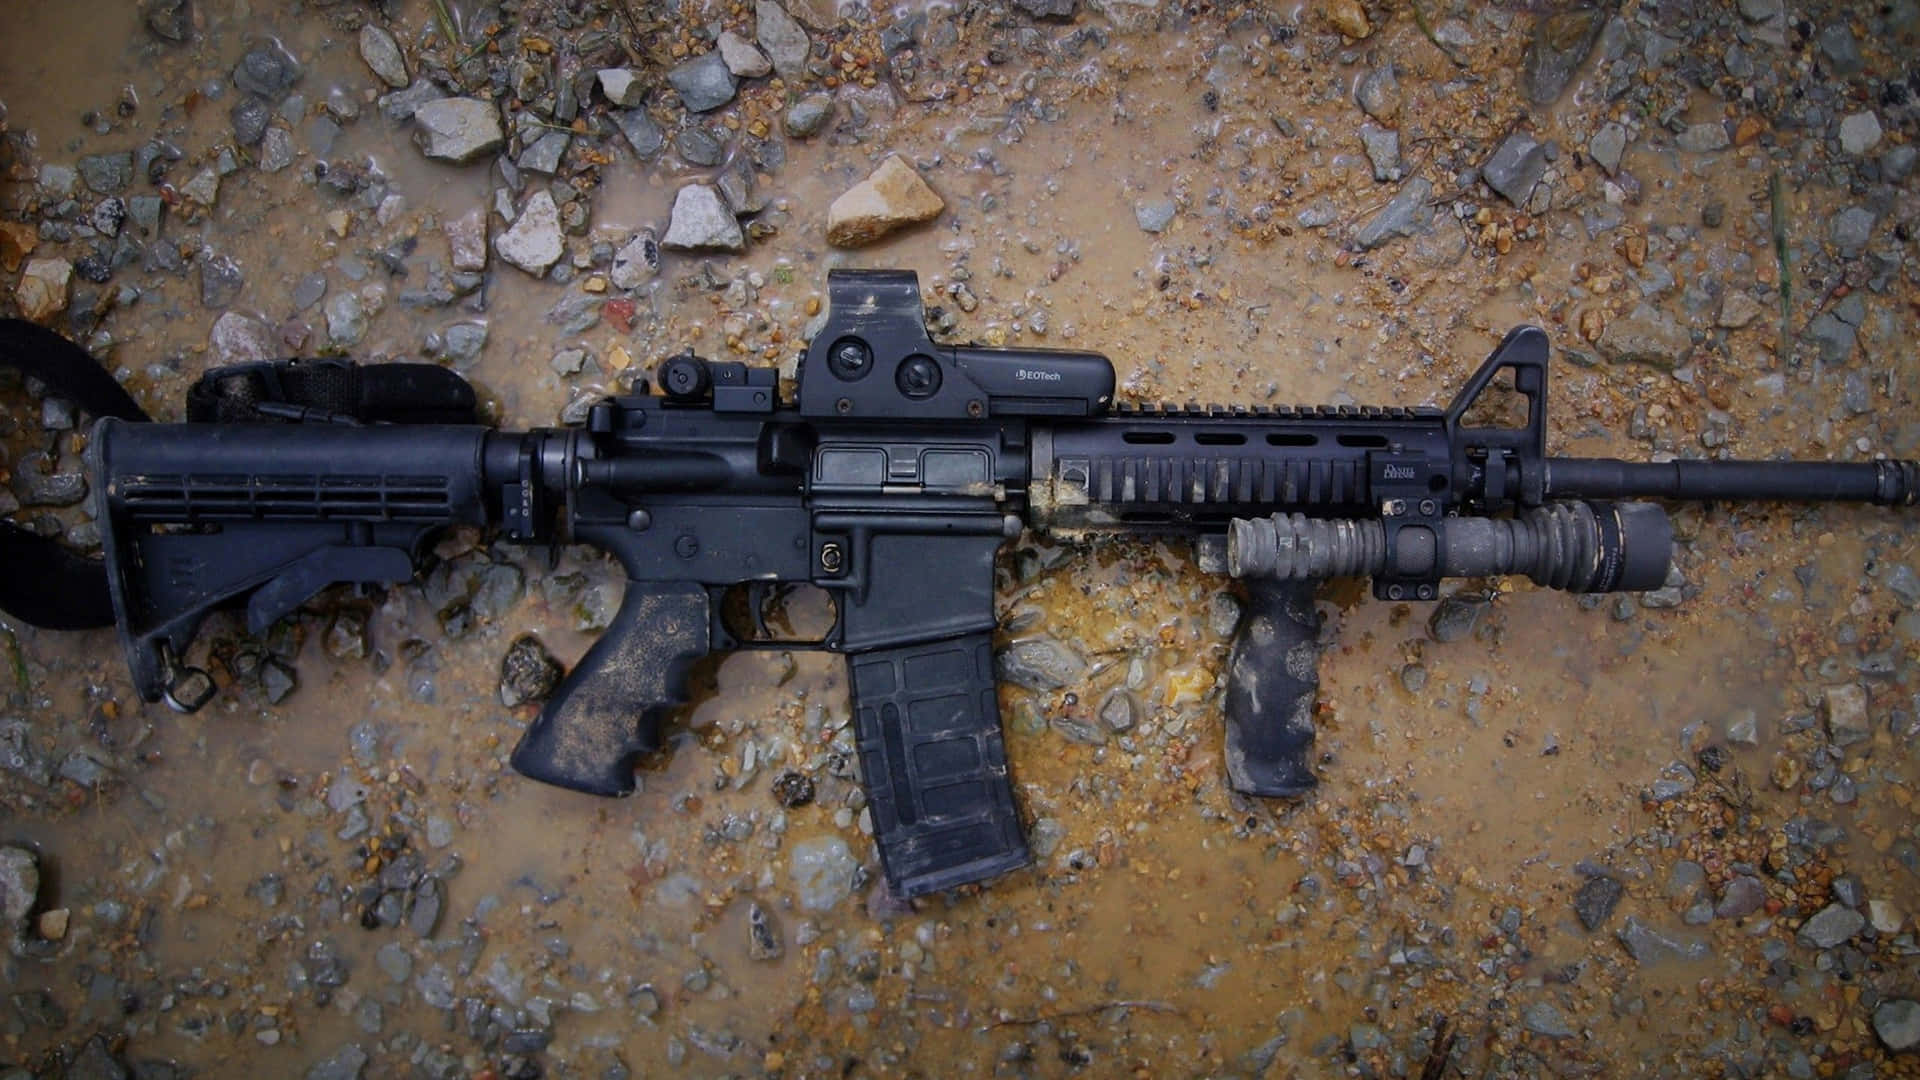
pixel 1029 374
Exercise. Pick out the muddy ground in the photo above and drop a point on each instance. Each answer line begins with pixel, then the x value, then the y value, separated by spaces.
pixel 1666 835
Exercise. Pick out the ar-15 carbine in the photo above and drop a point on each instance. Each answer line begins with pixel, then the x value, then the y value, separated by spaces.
pixel 890 481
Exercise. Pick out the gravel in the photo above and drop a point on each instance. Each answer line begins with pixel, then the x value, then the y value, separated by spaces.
pixel 704 82
pixel 1406 214
pixel 701 220
pixel 1595 900
pixel 457 129
pixel 1039 663
pixel 383 56
pixel 1831 926
pixel 1515 167
pixel 535 242
pixel 267 70
pixel 107 174
pixel 785 42
pixel 1153 215
pixel 822 870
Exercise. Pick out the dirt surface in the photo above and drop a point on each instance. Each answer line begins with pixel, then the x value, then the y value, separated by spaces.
pixel 1669 834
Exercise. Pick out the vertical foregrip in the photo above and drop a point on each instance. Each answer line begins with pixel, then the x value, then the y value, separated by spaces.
pixel 935 765
pixel 607 712
pixel 1272 679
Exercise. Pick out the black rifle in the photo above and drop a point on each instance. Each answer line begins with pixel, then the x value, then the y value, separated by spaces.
pixel 890 480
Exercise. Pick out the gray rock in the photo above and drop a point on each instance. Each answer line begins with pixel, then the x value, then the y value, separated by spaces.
pixel 1831 926
pixel 620 86
pixel 1834 338
pixel 1057 10
pixel 1649 946
pixel 1839 48
pixel 1153 215
pixel 1897 1022
pixel 544 154
pixel 786 43
pixel 220 280
pixel 1743 896
pixel 458 129
pixel 698 147
pixel 1685 879
pixel 347 1063
pixel 204 188
pixel 1859 133
pixel 400 106
pixel 808 115
pixel 637 261
pixel 1543 1018
pixel 1762 10
pixel 700 219
pixel 1844 708
pixel 309 289
pixel 19 887
pixel 1646 336
pixel 237 339
pixel 1404 215
pixel 1851 230
pixel 1595 900
pixel 1703 138
pixel 742 57
pixel 1117 711
pixel 822 871
pixel 737 188
pixel 568 361
pixel 266 71
pixel 1317 214
pixel 1743 728
pixel 535 242
pixel 1897 164
pixel 640 131
pixel 1560 44
pixel 382 54
pixel 107 174
pixel 704 82
pixel 423 913
pixel 1378 94
pixel 249 116
pixel 276 149
pixel 1383 151
pixel 467 240
pixel 346 319
pixel 96 1062
pixel 1453 618
pixel 168 20
pixel 1515 167
pixel 1039 663
pixel 463 343
pixel 763 936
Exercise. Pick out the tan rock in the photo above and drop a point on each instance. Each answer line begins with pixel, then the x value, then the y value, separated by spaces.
pixel 17 241
pixel 53 924
pixel 1348 17
pixel 1737 309
pixel 42 292
pixel 894 196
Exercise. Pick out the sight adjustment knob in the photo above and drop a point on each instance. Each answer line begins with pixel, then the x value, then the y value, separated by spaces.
pixel 685 378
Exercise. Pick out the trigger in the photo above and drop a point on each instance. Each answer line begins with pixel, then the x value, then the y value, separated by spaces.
pixel 758 593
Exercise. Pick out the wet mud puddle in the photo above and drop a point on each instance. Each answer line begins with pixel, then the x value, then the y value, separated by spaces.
pixel 1670 834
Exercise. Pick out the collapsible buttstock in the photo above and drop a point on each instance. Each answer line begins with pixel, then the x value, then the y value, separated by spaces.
pixel 1273 677
pixel 607 712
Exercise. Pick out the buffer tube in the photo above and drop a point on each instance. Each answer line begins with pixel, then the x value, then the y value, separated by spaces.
pixel 1272 672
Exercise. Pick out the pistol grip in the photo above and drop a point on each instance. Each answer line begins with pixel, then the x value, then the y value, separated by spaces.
pixel 607 711
pixel 928 727
pixel 1273 677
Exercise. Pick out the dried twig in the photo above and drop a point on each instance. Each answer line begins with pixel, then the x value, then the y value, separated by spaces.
pixel 1090 1010
pixel 1777 200
pixel 1442 1051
